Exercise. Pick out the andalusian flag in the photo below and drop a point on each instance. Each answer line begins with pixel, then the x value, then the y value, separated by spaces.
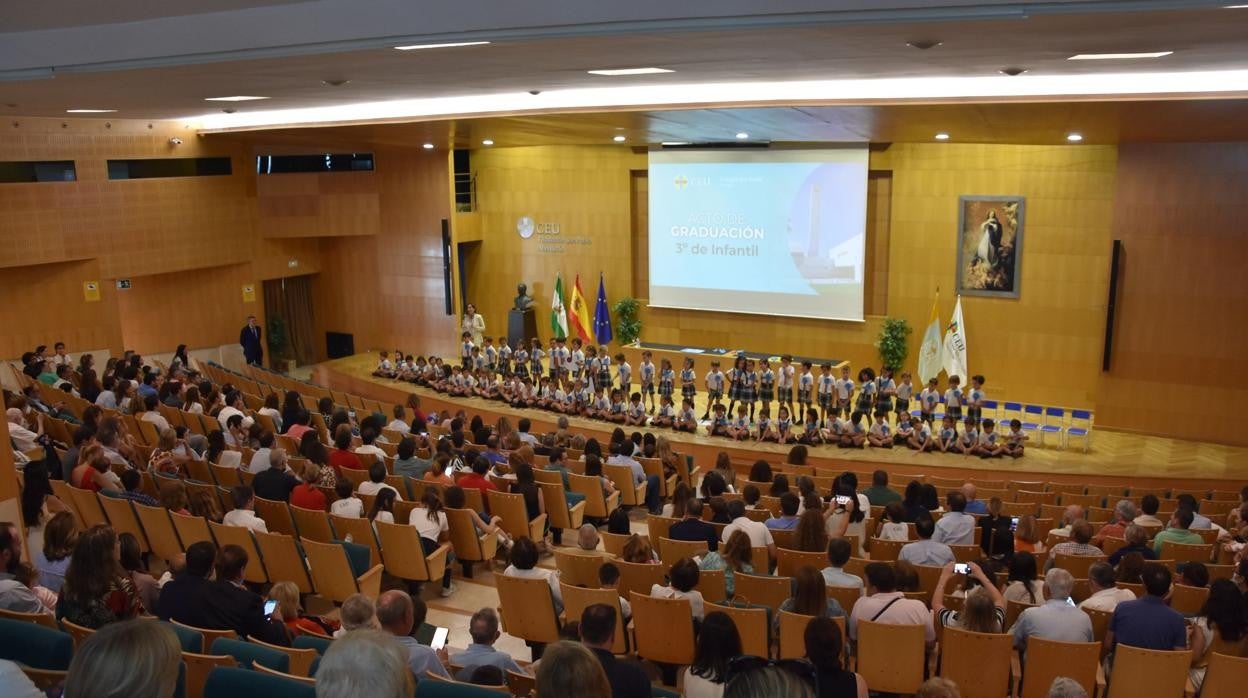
pixel 558 314
pixel 955 345
pixel 581 320
pixel 930 354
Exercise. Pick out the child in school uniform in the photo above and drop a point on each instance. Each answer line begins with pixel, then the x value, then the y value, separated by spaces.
pixel 968 444
pixel 844 393
pixel 535 357
pixel 739 428
pixel 719 424
pixel 975 399
pixel 880 435
pixel 666 415
pixel 591 366
pixel 866 390
pixel 856 437
pixel 686 420
pixel 928 400
pixel 767 385
pixel 1014 439
pixel 947 439
pixel 465 350
pixel 491 355
pixel 766 430
pixel 504 356
pixel 618 410
pixel 990 445
pixel 688 382
pixel 623 373
pixel 953 399
pixel 636 415
pixel 556 359
pixel 576 363
pixel 905 391
pixel 545 394
pixel 905 429
pixel 784 383
pixel 827 387
pixel 784 425
pixel 714 388
pixel 478 360
pixel 521 358
pixel 885 388
pixel 922 440
pixel 604 367
pixel 805 385
pixel 811 433
pixel 736 377
pixel 749 386
pixel 647 379
pixel 601 406
pixel 384 367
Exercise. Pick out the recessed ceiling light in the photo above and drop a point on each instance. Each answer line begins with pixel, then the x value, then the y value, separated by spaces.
pixel 427 146
pixel 90 111
pixel 334 83
pixel 629 71
pixel 454 44
pixel 1012 71
pixel 1118 56
pixel 674 143
pixel 942 136
pixel 487 142
pixel 742 135
pixel 620 139
pixel 1235 7
pixel 234 98
pixel 923 44
pixel 1074 137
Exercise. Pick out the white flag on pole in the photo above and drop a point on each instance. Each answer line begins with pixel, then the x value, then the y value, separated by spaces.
pixel 930 353
pixel 955 345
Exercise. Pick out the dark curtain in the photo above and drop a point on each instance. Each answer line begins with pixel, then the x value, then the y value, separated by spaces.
pixel 291 300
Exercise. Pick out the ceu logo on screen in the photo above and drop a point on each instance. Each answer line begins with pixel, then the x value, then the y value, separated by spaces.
pixel 525 226
pixel 681 182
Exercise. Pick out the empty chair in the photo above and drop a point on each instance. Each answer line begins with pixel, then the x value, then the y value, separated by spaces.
pixel 1140 672
pixel 673 550
pixel 468 546
pixel 247 652
pixel 527 609
pixel 276 516
pixel 788 561
pixel 639 576
pixel 210 636
pixel 312 524
pixel 559 514
pixel 632 494
pixel 37 647
pixel 762 590
pixel 515 516
pixel 283 560
pixel 891 657
pixel 359 531
pixel 333 575
pixel 597 505
pixel 578 569
pixel 122 518
pixel 1225 676
pixel 200 666
pixel 232 682
pixel 663 628
pixel 1049 659
pixel 47 620
pixel 978 662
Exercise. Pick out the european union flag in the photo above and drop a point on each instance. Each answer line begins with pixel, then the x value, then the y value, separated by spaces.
pixel 602 316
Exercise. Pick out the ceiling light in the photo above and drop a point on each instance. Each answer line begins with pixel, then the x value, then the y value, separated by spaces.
pixel 629 71
pixel 942 136
pixel 671 143
pixel 334 83
pixel 923 44
pixel 620 139
pixel 1235 7
pixel 90 111
pixel 1074 137
pixel 455 44
pixel 427 146
pixel 1117 56
pixel 235 98
pixel 1012 71
pixel 487 142
pixel 742 135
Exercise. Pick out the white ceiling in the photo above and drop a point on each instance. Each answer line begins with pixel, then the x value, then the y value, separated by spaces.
pixel 153 60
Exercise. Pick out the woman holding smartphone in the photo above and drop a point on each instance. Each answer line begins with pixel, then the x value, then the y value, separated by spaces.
pixel 983 610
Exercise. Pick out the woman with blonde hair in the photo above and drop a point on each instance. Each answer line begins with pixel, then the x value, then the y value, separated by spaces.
pixel 637 550
pixel 290 610
pixel 134 659
pixel 733 556
pixel 202 503
pixel 173 496
pixel 1027 537
pixel 669 459
pixel 810 597
pixel 570 669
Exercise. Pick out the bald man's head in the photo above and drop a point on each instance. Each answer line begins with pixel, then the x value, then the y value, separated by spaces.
pixel 394 612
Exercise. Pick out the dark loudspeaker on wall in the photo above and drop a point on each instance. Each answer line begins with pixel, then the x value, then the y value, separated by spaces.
pixel 446 265
pixel 1112 306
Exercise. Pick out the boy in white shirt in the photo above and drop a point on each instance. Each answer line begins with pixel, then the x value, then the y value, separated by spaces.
pixel 975 399
pixel 714 388
pixel 624 372
pixel 826 388
pixel 880 435
pixel 928 399
pixel 784 383
pixel 989 444
pixel 647 379
pixel 1014 439
pixel 398 423
pixel 953 399
pixel 805 383
pixel 905 391
pixel 465 350
pixel 844 393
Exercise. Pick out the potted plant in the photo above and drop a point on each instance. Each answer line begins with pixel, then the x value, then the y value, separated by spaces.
pixel 279 345
pixel 627 321
pixel 892 343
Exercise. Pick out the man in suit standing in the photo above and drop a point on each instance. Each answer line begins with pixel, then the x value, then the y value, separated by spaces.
pixel 227 604
pixel 249 338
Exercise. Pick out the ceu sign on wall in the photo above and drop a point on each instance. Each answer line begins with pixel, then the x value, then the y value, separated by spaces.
pixel 548 237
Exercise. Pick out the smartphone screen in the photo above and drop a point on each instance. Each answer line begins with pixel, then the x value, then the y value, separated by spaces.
pixel 269 607
pixel 1014 523
pixel 961 568
pixel 439 638
pixel 842 500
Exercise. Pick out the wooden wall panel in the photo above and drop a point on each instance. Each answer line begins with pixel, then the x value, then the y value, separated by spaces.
pixel 1178 365
pixel 197 307
pixel 318 204
pixel 44 304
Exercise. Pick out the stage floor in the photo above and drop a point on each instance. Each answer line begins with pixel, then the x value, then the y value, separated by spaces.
pixel 1114 457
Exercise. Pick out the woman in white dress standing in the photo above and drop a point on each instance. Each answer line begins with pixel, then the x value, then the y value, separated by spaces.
pixel 474 324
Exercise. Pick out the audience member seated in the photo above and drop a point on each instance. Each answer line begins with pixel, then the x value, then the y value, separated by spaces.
pixel 787 521
pixel 1079 543
pixel 637 549
pixel 1070 515
pixel 398 613
pixel 926 550
pixel 1224 616
pixel 478 478
pixel 132 561
pixel 1149 505
pixel 358 612
pixel 134 658
pixel 570 668
pixel 377 481
pixel 597 631
pixel 483 629
pixel 227 604
pixel 407 463
pixel 275 483
pixel 1137 542
pixel 1021 585
pixel 347 505
pixel 717 643
pixel 734 556
pixel 1178 531
pixel 131 480
pixel 825 650
pixel 290 611
pixel 955 527
pixel 879 494
pixel 97 590
pixel 693 528
pixel 1058 619
pixel 306 494
pixel 973 506
pixel 523 558
pixel 364 663
pixel 983 608
pixel 810 597
pixel 340 456
pixel 884 604
pixel 1027 536
pixel 260 460
pixel 760 535
pixel 1193 574
pixel 760 678
pixel 683 579
pixel 834 574
pixel 50 557
pixel 14 595
pixel 1105 595
pixel 179 597
pixel 609 578
pixel 1147 622
pixel 244 511
pixel 1124 514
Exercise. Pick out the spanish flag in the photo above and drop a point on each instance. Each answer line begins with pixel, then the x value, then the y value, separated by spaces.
pixel 579 315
